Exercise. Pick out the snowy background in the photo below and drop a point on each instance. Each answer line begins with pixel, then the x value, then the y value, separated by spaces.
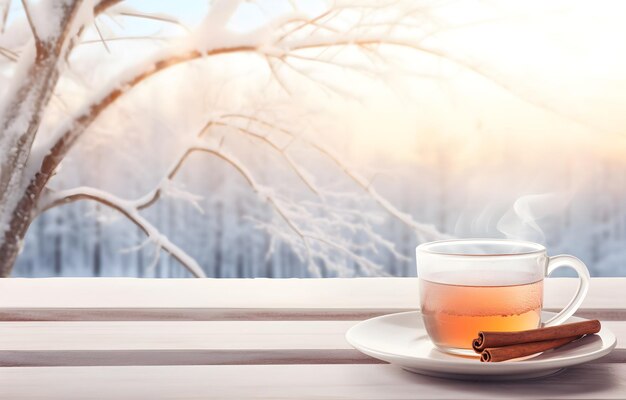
pixel 83 240
pixel 541 157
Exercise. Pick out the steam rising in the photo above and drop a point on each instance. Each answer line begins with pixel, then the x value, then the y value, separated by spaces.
pixel 522 220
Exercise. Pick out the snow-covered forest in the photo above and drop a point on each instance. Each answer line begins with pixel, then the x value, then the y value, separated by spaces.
pixel 79 240
pixel 298 139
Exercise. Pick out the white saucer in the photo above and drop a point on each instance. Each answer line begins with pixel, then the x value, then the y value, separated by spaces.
pixel 401 339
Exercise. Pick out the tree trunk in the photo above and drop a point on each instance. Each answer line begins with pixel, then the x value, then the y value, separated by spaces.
pixel 20 220
pixel 19 124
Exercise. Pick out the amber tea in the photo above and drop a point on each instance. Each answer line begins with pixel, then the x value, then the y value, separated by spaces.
pixel 453 314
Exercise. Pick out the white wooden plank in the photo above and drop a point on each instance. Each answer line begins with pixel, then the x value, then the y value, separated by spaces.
pixel 208 293
pixel 597 381
pixel 175 343
pixel 226 299
pixel 192 343
pixel 214 314
pixel 359 293
pixel 233 314
pixel 147 335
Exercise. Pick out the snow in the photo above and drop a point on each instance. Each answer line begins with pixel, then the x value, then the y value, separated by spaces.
pixel 16 118
pixel 170 189
pixel 20 76
pixel 14 121
pixel 47 14
pixel 126 207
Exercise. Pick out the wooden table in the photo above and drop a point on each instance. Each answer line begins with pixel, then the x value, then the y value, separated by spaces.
pixel 258 338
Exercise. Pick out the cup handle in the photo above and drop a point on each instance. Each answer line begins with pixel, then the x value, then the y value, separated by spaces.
pixel 583 286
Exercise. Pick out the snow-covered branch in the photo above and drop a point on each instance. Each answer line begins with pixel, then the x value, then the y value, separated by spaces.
pixel 289 214
pixel 273 42
pixel 424 231
pixel 54 25
pixel 131 213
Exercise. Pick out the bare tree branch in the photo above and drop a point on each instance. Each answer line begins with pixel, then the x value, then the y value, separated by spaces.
pixel 299 171
pixel 362 40
pixel 80 122
pixel 9 54
pixel 310 22
pixel 121 38
pixel 322 84
pixel 154 195
pixel 280 210
pixel 33 29
pixel 104 43
pixel 130 208
pixel 4 15
pixel 428 232
pixel 154 17
pixel 126 209
pixel 102 5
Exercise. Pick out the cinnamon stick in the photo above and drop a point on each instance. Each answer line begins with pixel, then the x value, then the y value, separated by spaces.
pixel 499 339
pixel 497 354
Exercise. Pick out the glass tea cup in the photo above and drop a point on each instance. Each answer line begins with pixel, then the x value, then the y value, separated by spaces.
pixel 472 285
